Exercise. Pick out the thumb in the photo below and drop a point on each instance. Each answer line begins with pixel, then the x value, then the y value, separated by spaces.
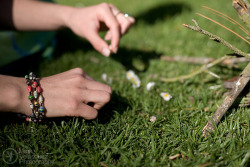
pixel 99 44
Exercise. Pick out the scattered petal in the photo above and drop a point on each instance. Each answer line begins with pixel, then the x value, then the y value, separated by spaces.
pixel 174 156
pixel 214 87
pixel 152 119
pixel 104 77
pixel 150 85
pixel 166 96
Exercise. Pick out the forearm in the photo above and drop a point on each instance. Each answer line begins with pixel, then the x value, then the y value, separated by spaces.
pixel 34 15
pixel 12 94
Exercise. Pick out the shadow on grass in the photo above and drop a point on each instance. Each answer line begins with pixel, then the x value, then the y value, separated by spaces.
pixel 162 12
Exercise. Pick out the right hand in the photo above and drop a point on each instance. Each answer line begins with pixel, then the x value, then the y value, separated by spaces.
pixel 72 93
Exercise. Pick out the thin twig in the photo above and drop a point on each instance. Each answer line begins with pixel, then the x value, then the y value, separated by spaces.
pixel 202 69
pixel 217 39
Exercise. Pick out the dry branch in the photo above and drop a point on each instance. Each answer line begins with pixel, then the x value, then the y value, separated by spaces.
pixel 243 10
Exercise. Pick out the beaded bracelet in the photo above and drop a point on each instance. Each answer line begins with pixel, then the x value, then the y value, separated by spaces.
pixel 35 97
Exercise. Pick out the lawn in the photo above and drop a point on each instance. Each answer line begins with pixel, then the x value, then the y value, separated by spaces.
pixel 123 134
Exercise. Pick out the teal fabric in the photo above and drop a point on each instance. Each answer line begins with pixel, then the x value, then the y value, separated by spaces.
pixel 15 45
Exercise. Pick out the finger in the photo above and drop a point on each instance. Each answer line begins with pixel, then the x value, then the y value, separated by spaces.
pixel 114 10
pixel 125 22
pixel 86 112
pixel 125 26
pixel 108 36
pixel 109 19
pixel 93 85
pixel 98 43
pixel 97 98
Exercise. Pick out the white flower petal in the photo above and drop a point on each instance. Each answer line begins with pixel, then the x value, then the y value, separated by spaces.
pixel 150 85
pixel 152 119
pixel 130 74
pixel 104 77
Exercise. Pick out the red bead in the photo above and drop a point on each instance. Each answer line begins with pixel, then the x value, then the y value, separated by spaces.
pixel 38 89
pixel 34 85
pixel 29 88
pixel 27 119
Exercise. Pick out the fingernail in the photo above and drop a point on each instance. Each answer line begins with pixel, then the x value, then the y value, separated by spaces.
pixel 106 52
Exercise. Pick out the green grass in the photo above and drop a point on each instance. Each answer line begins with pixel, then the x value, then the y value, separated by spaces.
pixel 122 135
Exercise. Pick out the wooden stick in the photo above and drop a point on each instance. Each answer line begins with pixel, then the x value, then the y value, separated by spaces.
pixel 204 60
pixel 228 101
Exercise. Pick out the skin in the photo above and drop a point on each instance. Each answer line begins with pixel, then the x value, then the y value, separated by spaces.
pixel 71 93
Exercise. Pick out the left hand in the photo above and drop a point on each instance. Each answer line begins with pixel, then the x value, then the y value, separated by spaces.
pixel 88 21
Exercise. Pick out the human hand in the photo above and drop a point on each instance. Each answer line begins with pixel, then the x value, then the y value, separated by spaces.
pixel 71 93
pixel 87 22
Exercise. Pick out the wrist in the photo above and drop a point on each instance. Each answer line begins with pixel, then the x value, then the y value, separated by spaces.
pixel 13 91
pixel 64 15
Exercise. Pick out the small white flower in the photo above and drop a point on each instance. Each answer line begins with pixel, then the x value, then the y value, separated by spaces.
pixel 150 85
pixel 132 77
pixel 166 96
pixel 130 74
pixel 152 119
pixel 104 77
pixel 136 82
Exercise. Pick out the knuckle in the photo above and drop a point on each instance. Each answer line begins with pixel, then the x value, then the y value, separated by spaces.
pixel 77 81
pixel 104 5
pixel 78 70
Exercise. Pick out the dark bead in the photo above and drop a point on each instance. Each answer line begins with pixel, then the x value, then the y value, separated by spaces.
pixel 41 109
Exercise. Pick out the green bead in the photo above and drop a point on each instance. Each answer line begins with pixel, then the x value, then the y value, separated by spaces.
pixel 26 77
pixel 31 97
